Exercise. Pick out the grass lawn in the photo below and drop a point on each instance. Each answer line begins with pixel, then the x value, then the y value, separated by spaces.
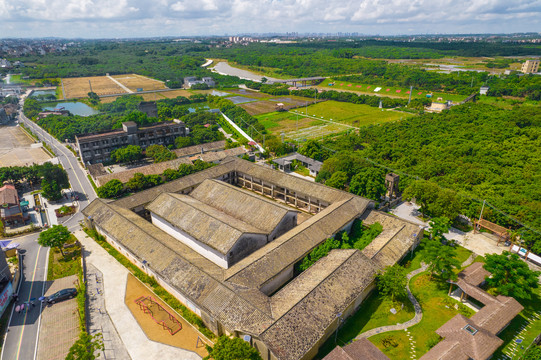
pixel 352 114
pixel 327 117
pixel 62 266
pixel 437 307
pixel 513 331
pixel 369 89
pixel 375 312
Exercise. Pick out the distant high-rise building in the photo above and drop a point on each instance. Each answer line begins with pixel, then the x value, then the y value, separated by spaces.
pixel 530 66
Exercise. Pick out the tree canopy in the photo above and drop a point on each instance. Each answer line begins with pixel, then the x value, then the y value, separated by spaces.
pixel 129 153
pixel 227 348
pixel 510 275
pixel 56 237
pixel 392 281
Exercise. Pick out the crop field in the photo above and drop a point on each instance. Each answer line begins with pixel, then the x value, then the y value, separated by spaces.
pixel 325 118
pixel 389 91
pixel 299 127
pixel 174 93
pixel 351 114
pixel 270 105
pixel 134 82
pixel 103 85
pixel 80 87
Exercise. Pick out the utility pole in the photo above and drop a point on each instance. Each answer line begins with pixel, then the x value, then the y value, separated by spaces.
pixel 411 90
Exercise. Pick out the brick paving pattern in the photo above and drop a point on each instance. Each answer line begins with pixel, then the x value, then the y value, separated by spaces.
pixel 59 323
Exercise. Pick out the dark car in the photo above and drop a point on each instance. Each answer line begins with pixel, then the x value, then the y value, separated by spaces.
pixel 62 295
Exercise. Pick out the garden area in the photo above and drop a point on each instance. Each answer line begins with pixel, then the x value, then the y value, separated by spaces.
pixel 435 261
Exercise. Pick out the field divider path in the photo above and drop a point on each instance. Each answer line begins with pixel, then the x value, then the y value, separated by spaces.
pixel 321 119
pixel 119 84
pixel 416 319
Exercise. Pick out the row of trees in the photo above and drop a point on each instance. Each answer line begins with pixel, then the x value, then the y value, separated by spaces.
pixel 115 188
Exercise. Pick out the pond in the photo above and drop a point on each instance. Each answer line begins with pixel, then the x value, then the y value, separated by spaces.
pixel 43 92
pixel 194 109
pixel 76 108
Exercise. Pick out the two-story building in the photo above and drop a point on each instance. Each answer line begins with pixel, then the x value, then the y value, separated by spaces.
pixel 97 147
pixel 10 208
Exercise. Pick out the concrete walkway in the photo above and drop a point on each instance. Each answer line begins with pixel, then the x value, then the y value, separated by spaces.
pixel 119 84
pixel 416 319
pixel 114 286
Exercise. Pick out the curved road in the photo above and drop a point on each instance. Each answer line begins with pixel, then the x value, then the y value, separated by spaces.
pixel 22 333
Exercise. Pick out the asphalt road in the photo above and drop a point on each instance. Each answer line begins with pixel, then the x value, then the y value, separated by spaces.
pixel 23 330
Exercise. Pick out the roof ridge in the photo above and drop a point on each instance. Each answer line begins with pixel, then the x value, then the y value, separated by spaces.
pixel 353 252
pixel 181 197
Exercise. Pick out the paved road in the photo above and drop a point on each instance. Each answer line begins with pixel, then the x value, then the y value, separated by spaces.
pixel 23 329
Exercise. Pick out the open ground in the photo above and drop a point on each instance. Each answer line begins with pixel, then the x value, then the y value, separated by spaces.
pixel 187 338
pixel 103 85
pixel 18 149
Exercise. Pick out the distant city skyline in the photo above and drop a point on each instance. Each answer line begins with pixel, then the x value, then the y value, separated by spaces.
pixel 140 18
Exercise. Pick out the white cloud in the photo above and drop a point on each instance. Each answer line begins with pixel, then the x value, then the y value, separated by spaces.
pixel 190 17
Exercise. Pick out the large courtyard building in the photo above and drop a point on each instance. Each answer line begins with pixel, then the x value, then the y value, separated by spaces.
pixel 530 66
pixel 94 148
pixel 226 241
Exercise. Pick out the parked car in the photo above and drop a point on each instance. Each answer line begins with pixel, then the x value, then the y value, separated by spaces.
pixel 62 295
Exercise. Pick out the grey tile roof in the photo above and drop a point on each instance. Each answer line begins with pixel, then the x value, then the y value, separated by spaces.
pixel 241 204
pixel 300 328
pixel 295 319
pixel 204 223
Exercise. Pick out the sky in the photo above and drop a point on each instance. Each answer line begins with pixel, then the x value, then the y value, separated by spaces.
pixel 150 18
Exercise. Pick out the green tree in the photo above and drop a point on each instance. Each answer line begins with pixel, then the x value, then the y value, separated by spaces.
pixel 160 153
pixel 438 227
pixel 369 182
pixel 85 347
pixel 129 153
pixel 137 182
pixel 510 275
pixel 227 348
pixel 50 190
pixel 56 237
pixel 171 174
pixel 425 194
pixel 111 189
pixel 94 98
pixel 440 258
pixel 446 204
pixel 183 141
pixel 338 180
pixel 534 353
pixel 392 281
pixel 54 173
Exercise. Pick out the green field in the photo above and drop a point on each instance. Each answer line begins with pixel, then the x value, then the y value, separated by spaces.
pixel 352 114
pixel 369 90
pixel 325 118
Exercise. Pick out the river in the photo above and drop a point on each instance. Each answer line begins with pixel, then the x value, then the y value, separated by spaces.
pixel 224 68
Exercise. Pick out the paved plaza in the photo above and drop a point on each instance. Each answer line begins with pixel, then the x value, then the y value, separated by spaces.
pixel 18 149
